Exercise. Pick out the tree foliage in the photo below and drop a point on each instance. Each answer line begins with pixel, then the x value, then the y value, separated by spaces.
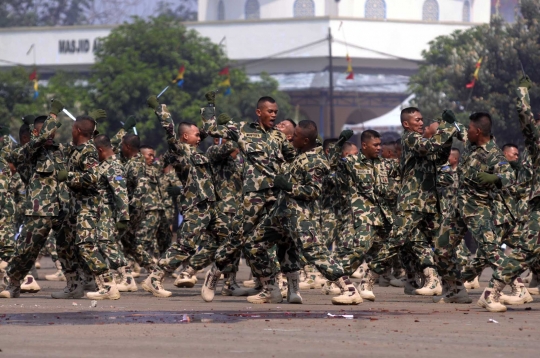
pixel 14 13
pixel 450 64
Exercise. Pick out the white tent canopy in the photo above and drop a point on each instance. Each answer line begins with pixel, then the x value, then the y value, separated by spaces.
pixel 388 122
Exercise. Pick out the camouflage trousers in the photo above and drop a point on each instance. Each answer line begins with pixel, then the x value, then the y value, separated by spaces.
pixel 7 239
pixel 78 246
pixel 131 243
pixel 50 246
pixel 222 227
pixel 146 234
pixel 32 239
pixel 329 226
pixel 526 254
pixel 164 233
pixel 197 219
pixel 355 242
pixel 108 242
pixel 463 254
pixel 489 252
pixel 299 236
pixel 254 207
pixel 411 230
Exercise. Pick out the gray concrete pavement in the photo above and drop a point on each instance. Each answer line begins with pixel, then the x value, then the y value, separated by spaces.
pixel 139 325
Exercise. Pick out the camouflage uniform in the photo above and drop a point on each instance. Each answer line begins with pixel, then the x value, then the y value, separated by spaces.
pixel 114 208
pixel 368 187
pixel 330 208
pixel 136 182
pixel 164 232
pixel 197 203
pixel 153 211
pixel 80 228
pixel 527 251
pixel 294 221
pixel 7 213
pixel 43 207
pixel 475 214
pixel 265 153
pixel 18 192
pixel 227 176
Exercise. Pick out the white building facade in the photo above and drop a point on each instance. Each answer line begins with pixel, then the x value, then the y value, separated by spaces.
pixel 289 39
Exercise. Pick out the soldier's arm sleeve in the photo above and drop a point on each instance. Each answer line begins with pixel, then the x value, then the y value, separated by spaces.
pixel 213 129
pixel 504 171
pixel 424 146
pixel 86 178
pixel 530 130
pixel 288 151
pixel 117 140
pixel 179 149
pixel 23 154
pixel 311 187
pixel 445 178
pixel 218 153
pixel 118 184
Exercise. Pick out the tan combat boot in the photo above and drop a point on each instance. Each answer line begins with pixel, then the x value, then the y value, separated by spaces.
pixel 453 292
pixel 107 289
pixel 255 289
pixel 309 282
pixel 330 288
pixel 472 284
pixel 232 288
pixel 135 269
pixel 518 296
pixel 153 284
pixel 74 288
pixel 38 262
pixel 360 271
pixel 127 282
pixel 528 278
pixel 187 278
pixel 432 285
pixel 3 275
pixel 490 298
pixel 349 294
pixel 270 292
pixel 29 285
pixel 13 290
pixel 211 279
pixel 293 287
pixel 366 286
pixel 534 286
pixel 58 275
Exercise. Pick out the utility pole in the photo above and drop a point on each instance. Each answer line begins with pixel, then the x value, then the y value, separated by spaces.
pixel 331 83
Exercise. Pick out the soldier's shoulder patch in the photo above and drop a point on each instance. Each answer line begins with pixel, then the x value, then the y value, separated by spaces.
pixel 446 167
pixel 503 163
pixel 118 177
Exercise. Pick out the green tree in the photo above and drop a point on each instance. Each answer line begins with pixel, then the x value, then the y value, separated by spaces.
pixel 15 13
pixel 450 63
pixel 141 58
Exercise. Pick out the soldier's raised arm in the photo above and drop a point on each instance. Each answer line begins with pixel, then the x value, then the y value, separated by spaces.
pixel 220 127
pixel 530 130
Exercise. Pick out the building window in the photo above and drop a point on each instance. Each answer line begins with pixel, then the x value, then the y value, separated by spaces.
pixel 304 8
pixel 430 11
pixel 252 10
pixel 221 11
pixel 375 9
pixel 466 11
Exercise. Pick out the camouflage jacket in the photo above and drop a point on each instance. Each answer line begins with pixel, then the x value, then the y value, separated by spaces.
pixel 306 173
pixel 166 180
pixel 419 162
pixel 330 196
pixel 447 184
pixel 531 132
pixel 227 174
pixel 7 203
pixel 82 180
pixel 476 159
pixel 367 187
pixel 18 192
pixel 524 184
pixel 153 197
pixel 135 172
pixel 39 166
pixel 113 189
pixel 394 183
pixel 265 152
pixel 192 167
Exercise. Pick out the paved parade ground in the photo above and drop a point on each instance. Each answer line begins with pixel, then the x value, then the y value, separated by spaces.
pixel 140 325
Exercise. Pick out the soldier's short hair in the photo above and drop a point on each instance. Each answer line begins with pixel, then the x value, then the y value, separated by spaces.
pixel 102 141
pixel 40 120
pixel 184 126
pixel 368 135
pixel 264 100
pixel 327 142
pixel 482 120
pixel 132 140
pixel 146 146
pixel 509 145
pixel 24 130
pixel 346 146
pixel 86 125
pixel 456 150
pixel 406 111
pixel 309 128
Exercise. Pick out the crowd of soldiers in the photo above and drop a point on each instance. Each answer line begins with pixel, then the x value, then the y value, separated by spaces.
pixel 302 213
